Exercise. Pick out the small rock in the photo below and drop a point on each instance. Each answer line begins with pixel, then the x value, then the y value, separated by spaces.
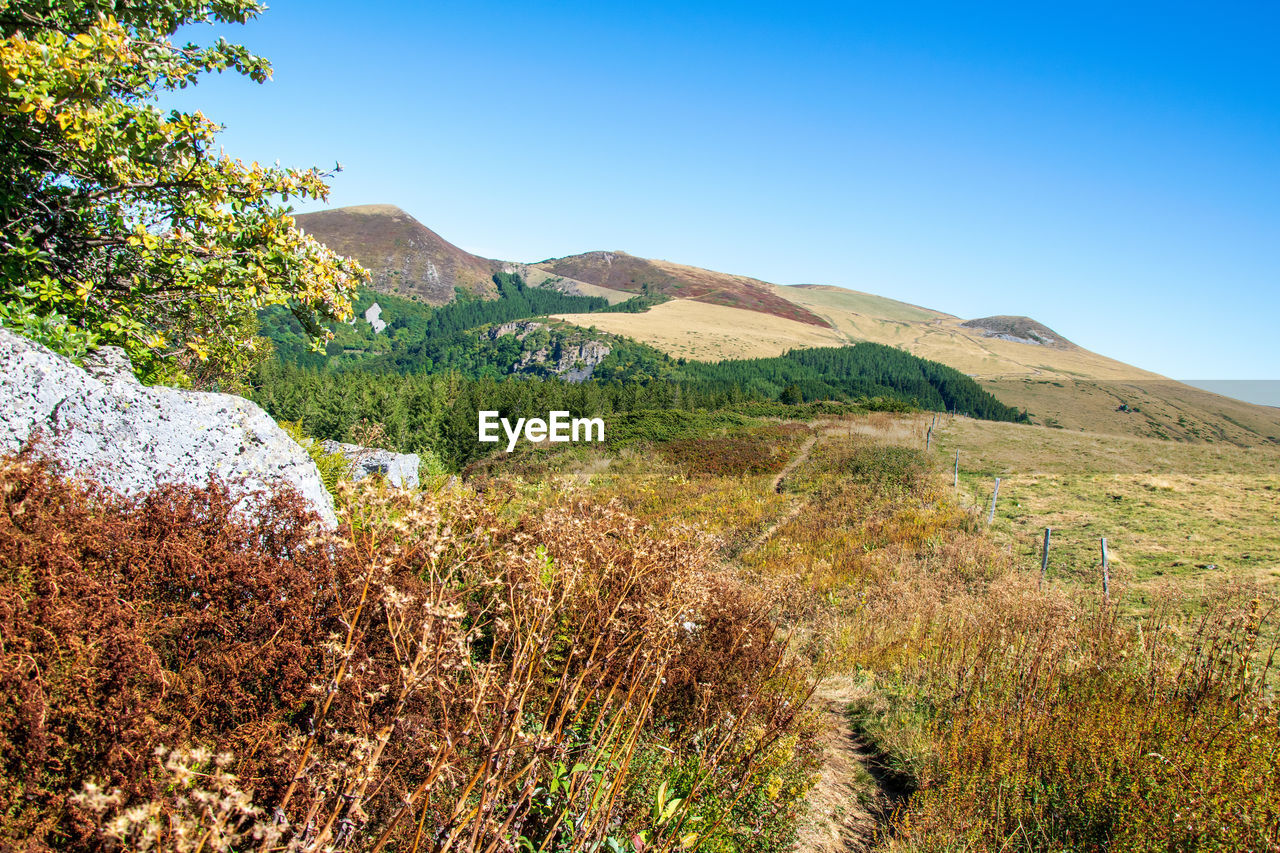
pixel 400 469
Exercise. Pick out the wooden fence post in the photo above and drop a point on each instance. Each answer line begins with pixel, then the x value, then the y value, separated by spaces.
pixel 1106 579
pixel 994 495
pixel 956 484
pixel 1044 560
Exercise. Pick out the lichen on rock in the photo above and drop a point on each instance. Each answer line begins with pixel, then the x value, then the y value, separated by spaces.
pixel 99 423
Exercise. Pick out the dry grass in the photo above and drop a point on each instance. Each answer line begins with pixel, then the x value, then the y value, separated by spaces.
pixel 697 330
pixel 442 675
pixel 1190 515
pixel 942 338
pixel 535 277
pixel 1072 388
pixel 606 658
pixel 1014 716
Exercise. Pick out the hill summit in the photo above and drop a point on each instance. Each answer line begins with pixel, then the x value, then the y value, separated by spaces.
pixel 621 271
pixel 1021 330
pixel 704 315
pixel 405 257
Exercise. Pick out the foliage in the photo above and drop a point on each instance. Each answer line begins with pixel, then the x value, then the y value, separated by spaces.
pixel 436 664
pixel 750 453
pixel 636 304
pixel 1009 715
pixel 1091 734
pixel 333 467
pixel 124 221
pixel 849 373
pixel 421 338
pixel 460 337
pixel 885 467
pixel 659 425
pixel 51 329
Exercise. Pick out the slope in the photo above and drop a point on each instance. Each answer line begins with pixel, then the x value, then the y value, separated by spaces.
pixel 1061 384
pixel 620 271
pixel 715 316
pixel 405 257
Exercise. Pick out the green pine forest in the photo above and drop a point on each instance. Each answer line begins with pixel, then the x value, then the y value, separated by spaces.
pixel 427 374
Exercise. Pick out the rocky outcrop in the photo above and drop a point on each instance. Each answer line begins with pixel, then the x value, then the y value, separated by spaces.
pixel 575 362
pixel 1020 330
pixel 400 469
pixel 520 328
pixel 101 424
pixel 578 361
pixel 374 318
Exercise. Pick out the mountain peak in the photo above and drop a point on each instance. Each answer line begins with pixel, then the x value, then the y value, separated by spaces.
pixel 1019 329
pixel 405 257
pixel 371 210
pixel 621 271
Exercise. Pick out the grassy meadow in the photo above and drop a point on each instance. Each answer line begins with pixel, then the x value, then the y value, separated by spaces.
pixel 1175 515
pixel 683 328
pixel 728 634
pixel 973 708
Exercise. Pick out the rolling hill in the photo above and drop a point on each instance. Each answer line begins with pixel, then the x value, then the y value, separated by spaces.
pixel 406 258
pixel 620 271
pixel 1028 365
pixel 712 316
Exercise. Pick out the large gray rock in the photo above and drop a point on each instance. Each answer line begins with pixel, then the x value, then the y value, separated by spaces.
pixel 101 424
pixel 400 469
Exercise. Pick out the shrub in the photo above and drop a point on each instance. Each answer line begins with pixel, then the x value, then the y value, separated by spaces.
pixel 434 671
pixel 754 453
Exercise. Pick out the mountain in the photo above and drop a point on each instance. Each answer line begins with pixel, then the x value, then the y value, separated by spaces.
pixel 711 316
pixel 1022 362
pixel 1026 364
pixel 405 257
pixel 620 271
pixel 1022 330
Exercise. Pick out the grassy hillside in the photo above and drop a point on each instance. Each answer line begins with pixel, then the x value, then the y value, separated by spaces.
pixel 727 634
pixel 620 271
pixel 964 704
pixel 405 257
pixel 1187 516
pixel 684 328
pixel 538 277
pixel 819 295
pixel 1061 385
pixel 714 316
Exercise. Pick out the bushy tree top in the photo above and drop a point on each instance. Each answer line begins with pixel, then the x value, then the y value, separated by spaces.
pixel 123 223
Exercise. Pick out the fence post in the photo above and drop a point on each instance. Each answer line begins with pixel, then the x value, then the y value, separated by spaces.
pixel 1044 560
pixel 994 495
pixel 928 439
pixel 1106 579
pixel 956 484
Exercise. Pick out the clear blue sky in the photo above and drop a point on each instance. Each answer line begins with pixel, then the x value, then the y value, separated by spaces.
pixel 1111 169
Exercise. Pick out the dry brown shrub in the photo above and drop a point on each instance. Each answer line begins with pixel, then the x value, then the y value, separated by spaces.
pixel 128 625
pixel 412 682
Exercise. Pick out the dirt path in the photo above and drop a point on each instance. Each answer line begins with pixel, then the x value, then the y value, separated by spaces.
pixel 776 486
pixel 850 806
pixel 796 461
